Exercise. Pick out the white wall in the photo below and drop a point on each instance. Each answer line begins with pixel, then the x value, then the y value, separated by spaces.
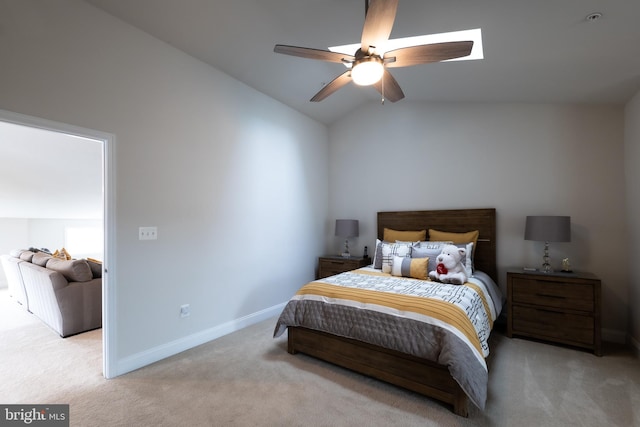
pixel 49 174
pixel 14 233
pixel 51 234
pixel 521 159
pixel 23 233
pixel 632 173
pixel 235 182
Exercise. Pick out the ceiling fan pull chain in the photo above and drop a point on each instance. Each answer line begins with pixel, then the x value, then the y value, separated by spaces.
pixel 382 91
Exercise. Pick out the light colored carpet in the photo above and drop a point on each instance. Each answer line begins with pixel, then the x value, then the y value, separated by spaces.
pixel 248 379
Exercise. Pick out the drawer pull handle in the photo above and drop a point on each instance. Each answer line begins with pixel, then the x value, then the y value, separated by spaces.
pixel 548 311
pixel 550 296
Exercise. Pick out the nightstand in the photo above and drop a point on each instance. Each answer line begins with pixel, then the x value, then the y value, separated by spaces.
pixel 557 307
pixel 330 265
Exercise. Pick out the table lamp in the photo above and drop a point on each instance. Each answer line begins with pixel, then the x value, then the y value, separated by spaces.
pixel 548 229
pixel 347 228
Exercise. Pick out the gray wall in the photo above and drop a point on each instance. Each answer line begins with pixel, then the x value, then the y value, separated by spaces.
pixel 521 159
pixel 15 233
pixel 235 182
pixel 632 173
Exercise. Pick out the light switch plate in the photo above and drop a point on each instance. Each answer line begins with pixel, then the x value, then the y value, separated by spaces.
pixel 148 233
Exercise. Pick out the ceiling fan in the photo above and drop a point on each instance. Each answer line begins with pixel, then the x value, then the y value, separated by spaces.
pixel 368 65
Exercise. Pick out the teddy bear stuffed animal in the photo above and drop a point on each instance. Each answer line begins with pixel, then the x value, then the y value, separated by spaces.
pixel 449 267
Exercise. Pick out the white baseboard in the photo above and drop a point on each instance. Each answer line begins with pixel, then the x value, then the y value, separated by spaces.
pixel 139 360
pixel 147 357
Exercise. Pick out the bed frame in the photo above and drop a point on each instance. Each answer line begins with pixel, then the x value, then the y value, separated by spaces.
pixel 407 371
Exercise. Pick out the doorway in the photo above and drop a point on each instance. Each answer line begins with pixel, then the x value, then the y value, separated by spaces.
pixel 107 149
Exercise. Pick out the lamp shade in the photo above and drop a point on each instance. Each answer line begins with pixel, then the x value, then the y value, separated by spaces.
pixel 548 228
pixel 347 227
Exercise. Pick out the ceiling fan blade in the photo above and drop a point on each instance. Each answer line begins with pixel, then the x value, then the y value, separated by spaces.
pixel 378 23
pixel 333 86
pixel 389 87
pixel 309 53
pixel 423 54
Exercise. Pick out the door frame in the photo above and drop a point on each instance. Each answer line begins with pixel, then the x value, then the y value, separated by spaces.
pixel 109 222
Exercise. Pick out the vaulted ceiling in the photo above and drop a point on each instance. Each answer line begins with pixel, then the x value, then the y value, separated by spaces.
pixel 534 51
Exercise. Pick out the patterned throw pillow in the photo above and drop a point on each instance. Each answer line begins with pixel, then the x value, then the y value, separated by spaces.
pixel 468 261
pixel 410 267
pixel 389 250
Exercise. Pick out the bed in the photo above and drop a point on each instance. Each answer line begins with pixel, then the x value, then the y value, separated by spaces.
pixel 375 335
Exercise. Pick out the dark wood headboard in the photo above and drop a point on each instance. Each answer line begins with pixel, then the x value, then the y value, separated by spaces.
pixel 456 220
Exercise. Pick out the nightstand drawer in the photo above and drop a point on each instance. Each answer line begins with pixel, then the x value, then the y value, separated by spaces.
pixel 569 296
pixel 555 325
pixel 329 266
pixel 339 264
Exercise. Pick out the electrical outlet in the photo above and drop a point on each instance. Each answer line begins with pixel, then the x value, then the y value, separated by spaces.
pixel 185 310
pixel 148 233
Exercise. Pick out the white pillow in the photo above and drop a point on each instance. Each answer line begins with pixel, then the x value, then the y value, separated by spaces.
pixel 468 261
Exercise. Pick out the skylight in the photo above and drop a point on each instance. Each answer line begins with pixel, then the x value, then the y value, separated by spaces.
pixel 474 35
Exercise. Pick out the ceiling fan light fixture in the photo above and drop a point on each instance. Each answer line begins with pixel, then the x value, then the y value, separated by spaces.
pixel 367 71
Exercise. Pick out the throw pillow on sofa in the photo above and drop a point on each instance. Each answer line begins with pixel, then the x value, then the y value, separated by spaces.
pixel 26 255
pixel 62 254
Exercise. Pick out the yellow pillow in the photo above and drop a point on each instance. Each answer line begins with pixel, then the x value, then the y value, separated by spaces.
pixel 61 254
pixel 469 236
pixel 390 235
pixel 410 267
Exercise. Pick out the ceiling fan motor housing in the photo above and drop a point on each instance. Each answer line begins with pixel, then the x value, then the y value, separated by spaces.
pixel 367 69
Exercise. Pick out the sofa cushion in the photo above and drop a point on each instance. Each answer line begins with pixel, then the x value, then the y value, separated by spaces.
pixel 74 270
pixel 96 267
pixel 27 256
pixel 40 258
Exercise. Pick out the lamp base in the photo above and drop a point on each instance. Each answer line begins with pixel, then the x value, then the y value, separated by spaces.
pixel 345 253
pixel 546 266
